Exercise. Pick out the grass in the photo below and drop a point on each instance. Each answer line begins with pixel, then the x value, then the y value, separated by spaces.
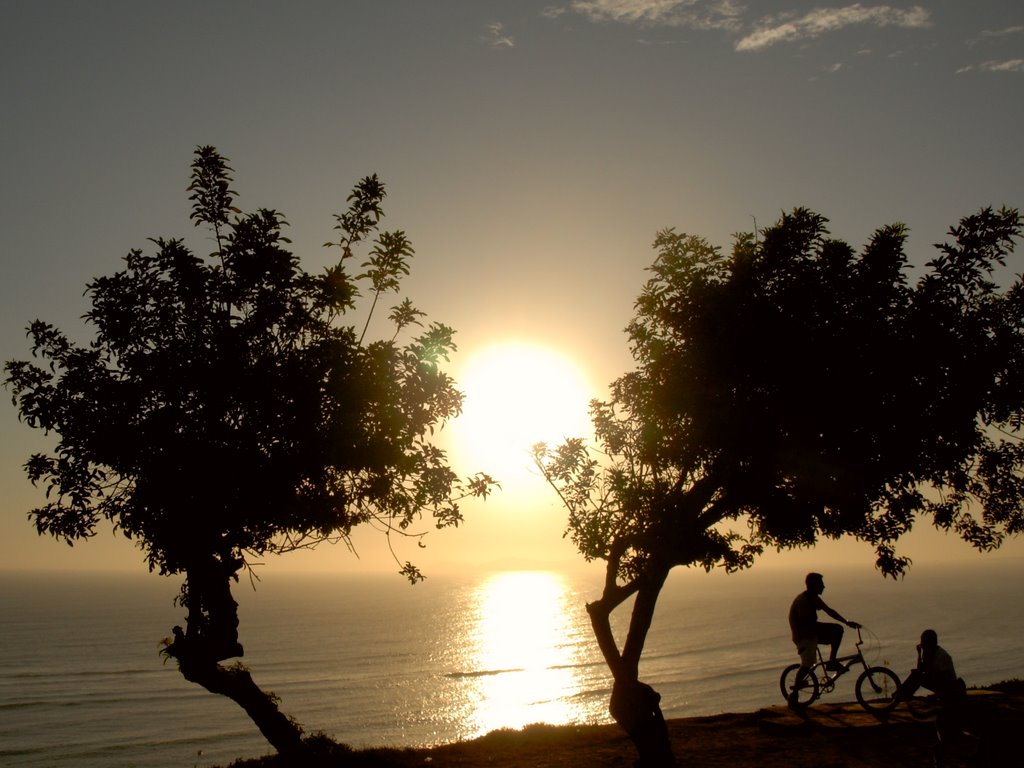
pixel 829 736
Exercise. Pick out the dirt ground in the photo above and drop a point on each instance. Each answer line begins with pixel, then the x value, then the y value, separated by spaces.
pixel 825 736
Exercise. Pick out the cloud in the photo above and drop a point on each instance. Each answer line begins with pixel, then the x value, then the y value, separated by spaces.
pixel 727 15
pixel 774 30
pixel 1009 65
pixel 990 37
pixel 651 11
pixel 496 38
pixel 1003 32
pixel 694 14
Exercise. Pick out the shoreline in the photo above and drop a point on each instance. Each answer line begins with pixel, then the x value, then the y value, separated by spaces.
pixel 829 735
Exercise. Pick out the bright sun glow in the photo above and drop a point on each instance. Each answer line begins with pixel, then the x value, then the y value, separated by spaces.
pixel 527 670
pixel 518 394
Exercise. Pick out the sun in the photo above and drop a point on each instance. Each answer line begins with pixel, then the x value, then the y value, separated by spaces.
pixel 518 394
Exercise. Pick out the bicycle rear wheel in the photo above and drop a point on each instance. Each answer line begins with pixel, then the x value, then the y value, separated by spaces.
pixel 809 689
pixel 876 689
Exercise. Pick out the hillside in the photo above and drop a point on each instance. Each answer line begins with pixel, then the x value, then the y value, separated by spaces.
pixel 826 736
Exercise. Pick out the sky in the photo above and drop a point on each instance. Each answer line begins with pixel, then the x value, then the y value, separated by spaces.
pixel 531 151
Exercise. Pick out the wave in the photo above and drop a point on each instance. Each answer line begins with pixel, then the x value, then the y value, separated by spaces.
pixel 487 672
pixel 578 665
pixel 483 672
pixel 26 752
pixel 74 673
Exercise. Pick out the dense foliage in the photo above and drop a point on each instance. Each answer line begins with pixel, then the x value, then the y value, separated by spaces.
pixel 795 389
pixel 227 408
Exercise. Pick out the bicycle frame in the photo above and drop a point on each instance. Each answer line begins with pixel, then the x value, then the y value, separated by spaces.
pixel 875 688
pixel 828 681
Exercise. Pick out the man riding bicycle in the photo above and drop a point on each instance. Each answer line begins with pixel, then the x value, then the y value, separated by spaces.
pixel 809 633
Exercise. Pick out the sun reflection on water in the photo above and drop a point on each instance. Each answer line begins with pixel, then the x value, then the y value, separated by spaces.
pixel 525 662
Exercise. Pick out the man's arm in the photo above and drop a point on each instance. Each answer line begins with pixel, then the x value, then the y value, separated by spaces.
pixel 835 614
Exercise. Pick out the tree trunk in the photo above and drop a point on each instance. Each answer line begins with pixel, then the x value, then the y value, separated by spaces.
pixel 212 636
pixel 634 704
pixel 237 684
pixel 635 707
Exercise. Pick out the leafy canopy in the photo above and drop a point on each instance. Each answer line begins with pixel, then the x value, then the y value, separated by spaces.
pixel 226 405
pixel 797 389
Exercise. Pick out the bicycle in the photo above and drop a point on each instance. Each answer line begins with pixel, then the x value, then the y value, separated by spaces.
pixel 875 688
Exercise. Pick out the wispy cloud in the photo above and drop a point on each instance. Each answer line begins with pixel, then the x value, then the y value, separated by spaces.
pixel 994 41
pixel 773 30
pixel 694 14
pixel 728 16
pixel 1003 32
pixel 1009 65
pixel 496 37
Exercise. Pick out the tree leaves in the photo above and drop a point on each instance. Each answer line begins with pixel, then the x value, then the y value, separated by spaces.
pixel 223 405
pixel 814 391
pixel 212 196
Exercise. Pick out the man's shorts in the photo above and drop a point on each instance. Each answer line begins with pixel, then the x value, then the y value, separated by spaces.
pixel 825 634
pixel 808 650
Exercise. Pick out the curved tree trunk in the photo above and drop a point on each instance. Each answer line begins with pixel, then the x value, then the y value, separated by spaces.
pixel 635 707
pixel 634 704
pixel 237 684
pixel 211 637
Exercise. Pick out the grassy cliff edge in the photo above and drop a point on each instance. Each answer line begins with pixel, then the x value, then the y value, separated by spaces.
pixel 828 735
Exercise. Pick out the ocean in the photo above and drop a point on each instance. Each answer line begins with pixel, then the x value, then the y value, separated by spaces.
pixel 373 661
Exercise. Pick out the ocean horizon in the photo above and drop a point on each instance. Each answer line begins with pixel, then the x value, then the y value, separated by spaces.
pixel 372 661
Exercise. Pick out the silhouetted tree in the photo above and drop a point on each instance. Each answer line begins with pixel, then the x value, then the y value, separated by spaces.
pixel 793 390
pixel 226 409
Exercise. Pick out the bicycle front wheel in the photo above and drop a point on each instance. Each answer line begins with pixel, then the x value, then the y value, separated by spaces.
pixel 809 689
pixel 876 689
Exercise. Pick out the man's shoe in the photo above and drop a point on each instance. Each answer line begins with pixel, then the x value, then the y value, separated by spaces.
pixel 834 666
pixel 793 701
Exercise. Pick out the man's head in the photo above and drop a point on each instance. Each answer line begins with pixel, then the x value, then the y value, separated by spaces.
pixel 815 583
pixel 929 639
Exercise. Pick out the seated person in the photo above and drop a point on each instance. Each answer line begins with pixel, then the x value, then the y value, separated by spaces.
pixel 935 671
